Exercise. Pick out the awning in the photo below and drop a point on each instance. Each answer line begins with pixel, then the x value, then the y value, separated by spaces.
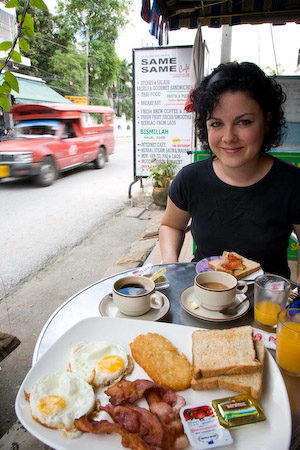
pixel 215 13
pixel 33 91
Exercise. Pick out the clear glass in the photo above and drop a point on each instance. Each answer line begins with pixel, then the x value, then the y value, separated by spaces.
pixel 288 341
pixel 270 297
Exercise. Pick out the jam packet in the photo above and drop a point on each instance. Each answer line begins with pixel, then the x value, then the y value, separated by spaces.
pixel 236 411
pixel 269 339
pixel 202 427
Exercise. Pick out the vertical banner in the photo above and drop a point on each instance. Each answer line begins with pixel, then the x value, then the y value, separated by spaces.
pixel 162 128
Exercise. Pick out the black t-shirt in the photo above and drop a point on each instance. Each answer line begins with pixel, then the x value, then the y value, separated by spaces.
pixel 254 221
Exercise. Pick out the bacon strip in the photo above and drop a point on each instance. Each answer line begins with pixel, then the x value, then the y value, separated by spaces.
pixel 138 420
pixel 130 391
pixel 129 440
pixel 158 428
pixel 169 415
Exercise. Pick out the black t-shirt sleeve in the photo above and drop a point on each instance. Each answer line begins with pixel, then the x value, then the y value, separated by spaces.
pixel 178 191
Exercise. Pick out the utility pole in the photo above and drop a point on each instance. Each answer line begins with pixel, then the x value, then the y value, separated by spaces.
pixel 87 63
pixel 226 44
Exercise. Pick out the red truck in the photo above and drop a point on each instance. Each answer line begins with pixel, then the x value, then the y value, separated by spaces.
pixel 51 138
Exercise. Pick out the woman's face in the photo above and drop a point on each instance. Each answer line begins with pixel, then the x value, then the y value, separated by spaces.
pixel 236 129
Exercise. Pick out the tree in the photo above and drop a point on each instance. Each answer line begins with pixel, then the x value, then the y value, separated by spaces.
pixel 25 31
pixel 94 25
pixel 122 90
pixel 42 46
pixel 67 67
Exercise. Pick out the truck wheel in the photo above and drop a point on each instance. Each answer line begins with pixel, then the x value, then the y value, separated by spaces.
pixel 100 160
pixel 47 174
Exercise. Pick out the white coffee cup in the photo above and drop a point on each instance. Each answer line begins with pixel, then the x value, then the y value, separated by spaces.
pixel 135 296
pixel 217 290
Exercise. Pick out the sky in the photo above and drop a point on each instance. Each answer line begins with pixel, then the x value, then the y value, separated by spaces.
pixel 269 44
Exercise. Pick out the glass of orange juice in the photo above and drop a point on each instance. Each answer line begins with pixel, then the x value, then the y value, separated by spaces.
pixel 270 297
pixel 288 341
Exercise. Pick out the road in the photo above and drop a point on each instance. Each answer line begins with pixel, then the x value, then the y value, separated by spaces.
pixel 38 224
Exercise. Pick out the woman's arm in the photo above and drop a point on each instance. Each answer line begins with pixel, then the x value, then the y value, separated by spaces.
pixel 297 231
pixel 171 232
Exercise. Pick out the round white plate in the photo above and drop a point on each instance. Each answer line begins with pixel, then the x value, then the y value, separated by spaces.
pixel 187 297
pixel 107 308
pixel 272 434
pixel 202 266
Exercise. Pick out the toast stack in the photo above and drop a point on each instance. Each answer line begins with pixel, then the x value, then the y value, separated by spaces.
pixel 235 264
pixel 228 359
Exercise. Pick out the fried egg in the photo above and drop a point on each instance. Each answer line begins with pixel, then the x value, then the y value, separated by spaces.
pixel 99 363
pixel 56 400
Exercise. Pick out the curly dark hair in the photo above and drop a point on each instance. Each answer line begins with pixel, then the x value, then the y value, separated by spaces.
pixel 246 77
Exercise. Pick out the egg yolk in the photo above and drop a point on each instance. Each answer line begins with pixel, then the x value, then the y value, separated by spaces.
pixel 51 403
pixel 111 364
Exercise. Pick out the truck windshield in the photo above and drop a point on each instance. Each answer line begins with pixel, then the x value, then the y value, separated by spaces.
pixel 36 129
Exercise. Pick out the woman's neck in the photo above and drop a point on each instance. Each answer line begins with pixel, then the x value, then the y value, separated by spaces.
pixel 246 175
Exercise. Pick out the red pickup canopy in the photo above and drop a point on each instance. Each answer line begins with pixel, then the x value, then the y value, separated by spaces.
pixel 56 111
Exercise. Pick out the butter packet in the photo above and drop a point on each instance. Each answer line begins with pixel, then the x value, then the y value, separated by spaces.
pixel 236 411
pixel 202 427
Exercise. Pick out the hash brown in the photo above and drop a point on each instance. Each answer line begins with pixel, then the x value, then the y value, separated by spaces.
pixel 162 361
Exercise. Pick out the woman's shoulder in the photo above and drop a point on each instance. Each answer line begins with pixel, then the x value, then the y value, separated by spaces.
pixel 287 168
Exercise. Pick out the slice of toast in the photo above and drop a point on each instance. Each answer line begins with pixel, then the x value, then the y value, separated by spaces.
pixel 223 352
pixel 247 383
pixel 250 266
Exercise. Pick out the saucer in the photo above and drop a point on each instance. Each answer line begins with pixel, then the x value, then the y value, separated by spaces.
pixel 187 297
pixel 107 308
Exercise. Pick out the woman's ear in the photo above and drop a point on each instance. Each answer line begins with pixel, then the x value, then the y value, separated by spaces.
pixel 268 121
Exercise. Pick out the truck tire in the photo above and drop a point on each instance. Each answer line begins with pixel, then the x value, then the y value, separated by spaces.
pixel 99 162
pixel 47 174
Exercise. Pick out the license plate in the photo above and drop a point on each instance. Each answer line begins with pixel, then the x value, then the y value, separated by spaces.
pixel 4 171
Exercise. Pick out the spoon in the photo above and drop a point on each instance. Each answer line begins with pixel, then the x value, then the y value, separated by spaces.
pixel 232 309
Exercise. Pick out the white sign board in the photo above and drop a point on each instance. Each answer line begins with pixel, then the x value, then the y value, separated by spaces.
pixel 291 86
pixel 162 128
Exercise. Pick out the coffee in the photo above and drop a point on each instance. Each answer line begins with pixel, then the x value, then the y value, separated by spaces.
pixel 214 286
pixel 133 289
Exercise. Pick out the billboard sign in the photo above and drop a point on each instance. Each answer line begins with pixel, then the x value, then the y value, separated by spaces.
pixel 162 128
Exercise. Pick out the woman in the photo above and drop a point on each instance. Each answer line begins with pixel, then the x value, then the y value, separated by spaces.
pixel 241 199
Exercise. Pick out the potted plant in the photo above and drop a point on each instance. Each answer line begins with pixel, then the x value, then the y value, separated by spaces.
pixel 161 174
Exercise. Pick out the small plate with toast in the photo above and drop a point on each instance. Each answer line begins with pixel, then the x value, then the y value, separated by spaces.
pixel 231 262
pixel 187 302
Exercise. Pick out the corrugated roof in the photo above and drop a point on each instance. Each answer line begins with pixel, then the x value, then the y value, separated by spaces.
pixel 33 91
pixel 215 13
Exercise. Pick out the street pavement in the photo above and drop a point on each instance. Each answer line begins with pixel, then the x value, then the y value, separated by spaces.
pixel 25 311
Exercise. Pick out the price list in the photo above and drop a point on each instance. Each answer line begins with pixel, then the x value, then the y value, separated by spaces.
pixel 163 129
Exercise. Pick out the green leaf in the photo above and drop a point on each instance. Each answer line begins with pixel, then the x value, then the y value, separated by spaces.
pixel 23 44
pixel 28 32
pixel 4 102
pixel 12 4
pixel 15 56
pixel 5 45
pixel 28 22
pixel 11 80
pixel 39 4
pixel 5 87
